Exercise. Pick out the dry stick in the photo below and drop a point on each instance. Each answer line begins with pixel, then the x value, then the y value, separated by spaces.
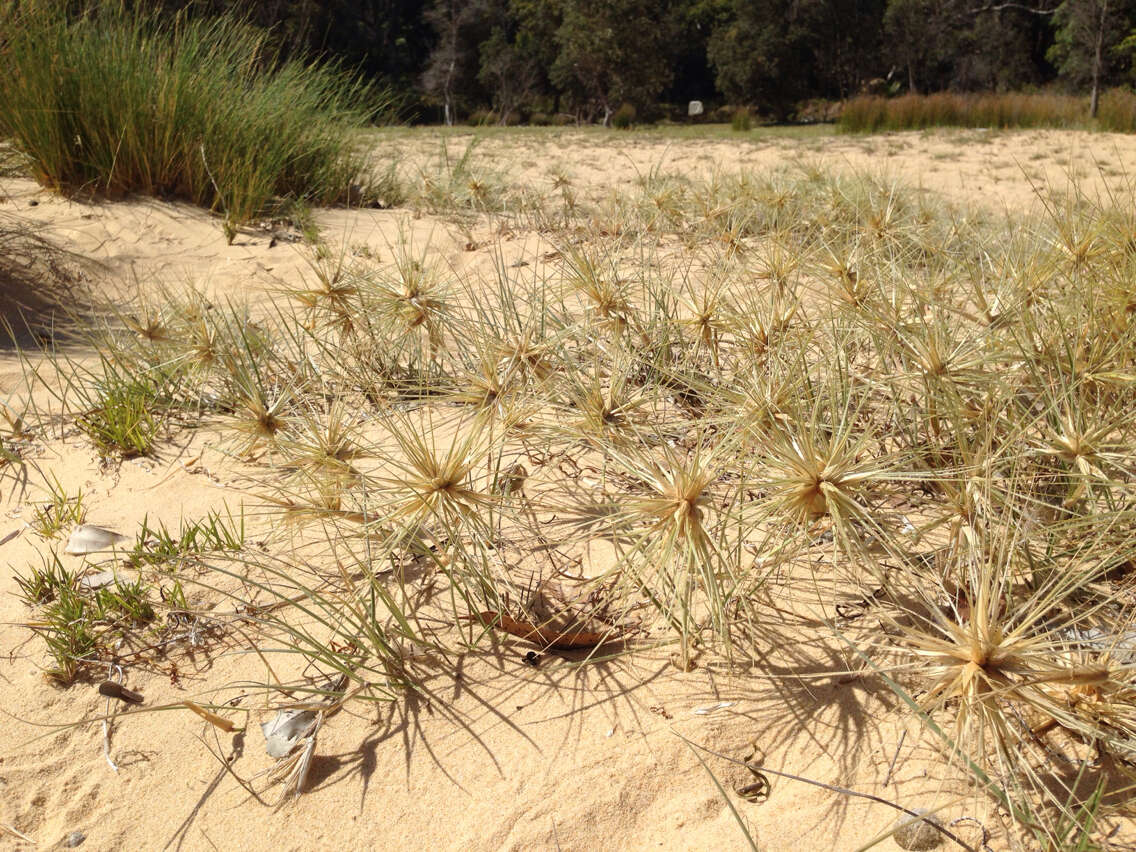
pixel 4 827
pixel 844 791
pixel 107 716
pixel 891 768
pixel 225 764
pixel 226 725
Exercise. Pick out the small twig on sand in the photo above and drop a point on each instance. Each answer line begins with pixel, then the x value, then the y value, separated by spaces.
pixel 891 767
pixel 108 715
pixel 4 827
pixel 212 718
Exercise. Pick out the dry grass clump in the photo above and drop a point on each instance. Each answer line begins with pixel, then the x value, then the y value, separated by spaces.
pixel 760 393
pixel 869 113
pixel 1117 111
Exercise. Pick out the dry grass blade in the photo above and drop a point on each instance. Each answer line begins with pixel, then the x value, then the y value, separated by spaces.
pixel 292 771
pixel 212 718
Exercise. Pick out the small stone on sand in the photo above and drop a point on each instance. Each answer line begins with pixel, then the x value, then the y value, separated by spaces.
pixel 918 833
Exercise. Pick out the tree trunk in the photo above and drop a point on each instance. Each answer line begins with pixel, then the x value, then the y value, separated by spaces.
pixel 446 93
pixel 1098 59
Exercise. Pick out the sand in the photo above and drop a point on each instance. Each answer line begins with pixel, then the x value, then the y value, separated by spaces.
pixel 501 754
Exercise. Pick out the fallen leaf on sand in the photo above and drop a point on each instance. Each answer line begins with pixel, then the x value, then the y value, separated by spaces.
pixel 116 690
pixel 545 636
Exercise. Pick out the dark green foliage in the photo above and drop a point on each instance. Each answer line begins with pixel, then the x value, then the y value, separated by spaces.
pixel 66 622
pixel 763 54
pixel 611 51
pixel 75 622
pixel 450 71
pixel 384 39
pixel 124 603
pixel 960 45
pixel 1087 33
pixel 44 584
pixel 69 632
pixel 122 418
pixel 59 512
pixel 510 61
pixel 215 534
pixel 776 53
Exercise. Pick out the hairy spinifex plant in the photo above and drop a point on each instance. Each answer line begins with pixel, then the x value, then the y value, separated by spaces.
pixel 822 462
pixel 763 395
pixel 413 301
pixel 596 281
pixel 672 528
pixel 606 404
pixel 1006 650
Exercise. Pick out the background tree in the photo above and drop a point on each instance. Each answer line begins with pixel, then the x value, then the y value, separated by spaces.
pixel 690 25
pixel 846 45
pixel 451 70
pixel 524 56
pixel 611 51
pixel 923 35
pixel 386 39
pixel 1002 46
pixel 1087 34
pixel 509 62
pixel 763 53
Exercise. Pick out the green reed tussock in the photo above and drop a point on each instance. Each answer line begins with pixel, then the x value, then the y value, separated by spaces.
pixel 195 108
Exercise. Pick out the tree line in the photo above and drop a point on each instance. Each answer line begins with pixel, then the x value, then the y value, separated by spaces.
pixel 537 60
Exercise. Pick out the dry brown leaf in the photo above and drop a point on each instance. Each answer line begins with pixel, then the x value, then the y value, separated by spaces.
pixel 545 636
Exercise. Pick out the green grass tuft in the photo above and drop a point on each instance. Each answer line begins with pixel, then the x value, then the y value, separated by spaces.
pixel 115 102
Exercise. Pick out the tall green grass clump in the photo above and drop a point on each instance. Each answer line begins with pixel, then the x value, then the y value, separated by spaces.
pixel 120 102
pixel 945 109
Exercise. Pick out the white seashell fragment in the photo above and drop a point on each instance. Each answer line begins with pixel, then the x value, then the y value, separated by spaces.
pixel 97 581
pixel 87 538
pixel 285 729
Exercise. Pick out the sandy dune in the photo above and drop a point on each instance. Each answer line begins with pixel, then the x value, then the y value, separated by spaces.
pixel 502 755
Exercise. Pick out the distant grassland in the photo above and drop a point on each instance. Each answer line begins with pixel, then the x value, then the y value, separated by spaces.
pixel 913 112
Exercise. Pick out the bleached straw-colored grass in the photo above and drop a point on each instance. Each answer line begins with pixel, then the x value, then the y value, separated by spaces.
pixel 765 393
